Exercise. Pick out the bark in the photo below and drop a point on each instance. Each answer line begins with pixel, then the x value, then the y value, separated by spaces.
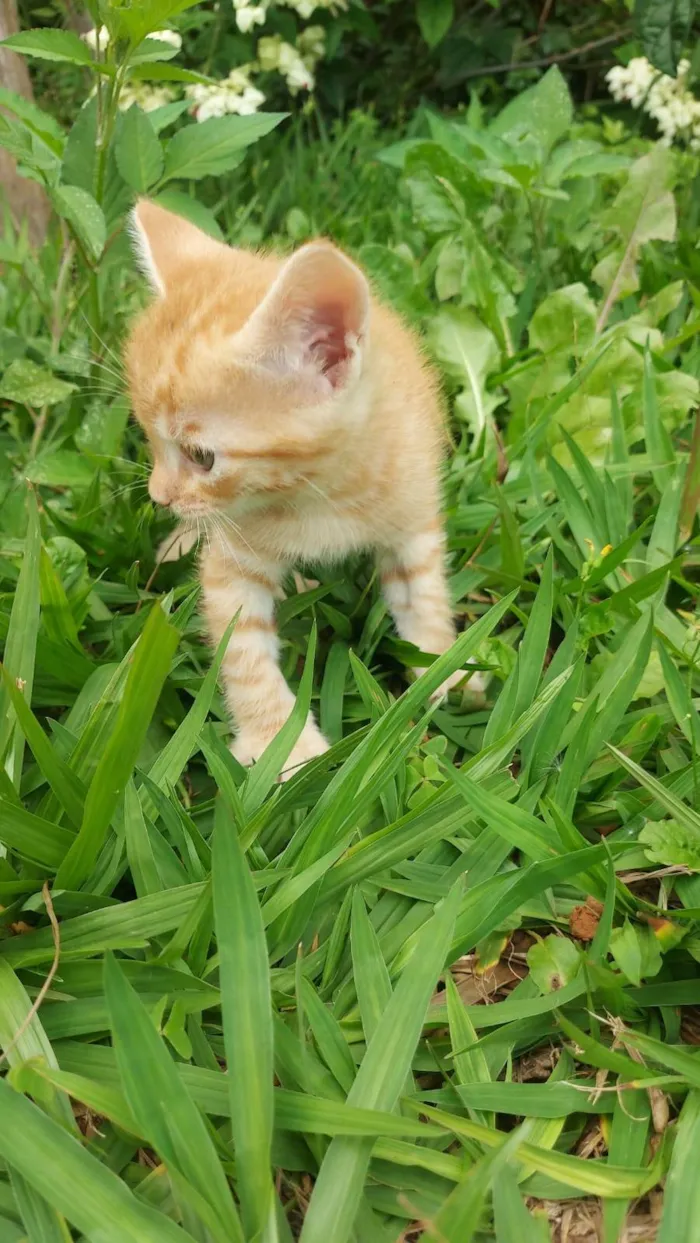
pixel 26 199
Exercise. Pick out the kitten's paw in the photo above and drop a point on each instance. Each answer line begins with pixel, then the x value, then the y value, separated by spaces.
pixel 309 744
pixel 248 747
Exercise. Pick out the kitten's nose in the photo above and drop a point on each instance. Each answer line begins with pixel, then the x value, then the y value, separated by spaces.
pixel 160 489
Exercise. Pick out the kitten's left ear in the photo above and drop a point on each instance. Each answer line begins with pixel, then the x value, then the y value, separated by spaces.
pixel 164 242
pixel 313 322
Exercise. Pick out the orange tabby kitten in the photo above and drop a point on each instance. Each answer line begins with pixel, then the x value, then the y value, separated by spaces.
pixel 296 416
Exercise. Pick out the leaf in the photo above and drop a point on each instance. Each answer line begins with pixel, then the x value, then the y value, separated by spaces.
pixel 247 1019
pixel 150 667
pixel 85 217
pixel 380 1078
pixel 643 210
pixel 470 1064
pixel 215 146
pixel 74 1181
pixel 139 155
pixel 34 386
pixel 679 1218
pixel 46 44
pixel 512 1220
pixel 191 209
pixel 543 112
pixel 35 118
pixel 664 29
pixel 20 644
pixel 672 844
pixel 469 352
pixel 564 321
pixel 162 1106
pixel 434 19
pixel 636 951
pixel 554 962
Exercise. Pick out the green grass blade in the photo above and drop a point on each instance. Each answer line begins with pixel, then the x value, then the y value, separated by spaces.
pixel 246 1011
pixel 73 1181
pixel 147 674
pixel 161 1104
pixel 20 645
pixel 371 975
pixel 379 1080
pixel 681 1211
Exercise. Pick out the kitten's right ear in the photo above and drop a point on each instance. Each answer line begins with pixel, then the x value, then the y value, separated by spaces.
pixel 163 242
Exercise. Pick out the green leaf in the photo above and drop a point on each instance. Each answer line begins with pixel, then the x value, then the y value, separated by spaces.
pixel 85 217
pixel 470 1064
pixel 636 951
pixel 247 1018
pixel 93 1198
pixel 30 385
pixel 664 29
pixel 643 210
pixel 46 44
pixel 162 1106
pixel 20 645
pixel 554 962
pixel 215 146
pixel 469 351
pixel 672 844
pixel 512 1220
pixel 139 155
pixel 434 18
pixel 380 1078
pixel 564 321
pixel 191 209
pixel 150 667
pixel 681 1210
pixel 543 112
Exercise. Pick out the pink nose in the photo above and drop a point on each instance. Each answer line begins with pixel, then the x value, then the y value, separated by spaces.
pixel 160 489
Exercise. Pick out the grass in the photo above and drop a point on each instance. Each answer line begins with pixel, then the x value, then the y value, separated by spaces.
pixel 174 915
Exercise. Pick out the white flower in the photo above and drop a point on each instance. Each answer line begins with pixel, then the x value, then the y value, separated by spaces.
pixel 146 96
pixel 168 36
pixel 667 100
pixel 96 39
pixel 234 94
pixel 249 16
pixel 311 44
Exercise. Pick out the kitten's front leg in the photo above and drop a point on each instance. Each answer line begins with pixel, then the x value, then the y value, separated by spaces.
pixel 258 696
pixel 415 589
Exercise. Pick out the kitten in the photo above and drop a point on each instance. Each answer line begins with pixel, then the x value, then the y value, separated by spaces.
pixel 295 415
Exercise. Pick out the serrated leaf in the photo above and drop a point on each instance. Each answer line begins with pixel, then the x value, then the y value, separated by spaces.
pixel 31 385
pixel 215 146
pixel 138 152
pixel 84 215
pixel 46 44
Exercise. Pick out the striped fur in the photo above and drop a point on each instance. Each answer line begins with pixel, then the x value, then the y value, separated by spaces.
pixel 326 432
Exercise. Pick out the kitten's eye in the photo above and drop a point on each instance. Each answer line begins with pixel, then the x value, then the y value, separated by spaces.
pixel 203 458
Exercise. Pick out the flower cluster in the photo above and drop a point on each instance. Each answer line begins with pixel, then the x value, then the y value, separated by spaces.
pixel 146 96
pixel 669 101
pixel 250 15
pixel 295 63
pixel 234 93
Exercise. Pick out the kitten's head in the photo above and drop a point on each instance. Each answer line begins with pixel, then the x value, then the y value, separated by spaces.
pixel 244 371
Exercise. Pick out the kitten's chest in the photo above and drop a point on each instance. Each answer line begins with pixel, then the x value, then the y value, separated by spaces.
pixel 311 534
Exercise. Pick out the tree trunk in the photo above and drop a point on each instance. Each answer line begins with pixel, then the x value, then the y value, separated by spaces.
pixel 26 199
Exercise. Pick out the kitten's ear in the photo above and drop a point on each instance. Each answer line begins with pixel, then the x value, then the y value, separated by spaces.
pixel 163 242
pixel 313 322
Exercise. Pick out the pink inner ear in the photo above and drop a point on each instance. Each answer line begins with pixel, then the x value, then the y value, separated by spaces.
pixel 327 341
